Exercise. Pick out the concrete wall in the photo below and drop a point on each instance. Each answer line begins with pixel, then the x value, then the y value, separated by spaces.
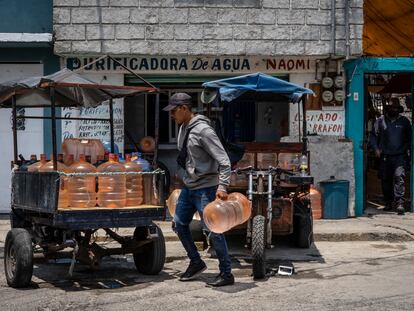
pixel 331 157
pixel 204 27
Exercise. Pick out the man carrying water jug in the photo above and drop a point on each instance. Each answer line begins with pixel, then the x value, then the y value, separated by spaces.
pixel 205 169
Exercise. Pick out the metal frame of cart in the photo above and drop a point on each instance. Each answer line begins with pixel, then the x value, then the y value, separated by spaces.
pixel 280 197
pixel 36 219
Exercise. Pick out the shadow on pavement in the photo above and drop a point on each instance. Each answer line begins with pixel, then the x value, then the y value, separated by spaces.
pixel 114 273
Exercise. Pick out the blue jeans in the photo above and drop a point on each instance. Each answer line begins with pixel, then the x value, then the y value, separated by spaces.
pixel 189 202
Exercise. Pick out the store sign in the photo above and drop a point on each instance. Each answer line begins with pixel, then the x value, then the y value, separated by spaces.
pixel 320 122
pixel 194 64
pixel 94 129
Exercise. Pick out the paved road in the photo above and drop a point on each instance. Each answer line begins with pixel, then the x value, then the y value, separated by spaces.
pixel 329 276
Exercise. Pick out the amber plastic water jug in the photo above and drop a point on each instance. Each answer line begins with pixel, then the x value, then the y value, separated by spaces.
pixel 220 216
pixel 172 201
pixel 82 189
pixel 134 187
pixel 111 188
pixel 35 166
pixel 88 147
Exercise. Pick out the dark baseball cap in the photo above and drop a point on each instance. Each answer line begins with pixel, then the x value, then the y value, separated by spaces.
pixel 178 99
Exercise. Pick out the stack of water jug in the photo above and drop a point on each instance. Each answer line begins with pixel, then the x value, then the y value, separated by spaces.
pixel 109 190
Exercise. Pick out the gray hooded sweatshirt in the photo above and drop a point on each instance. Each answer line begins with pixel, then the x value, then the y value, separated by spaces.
pixel 207 162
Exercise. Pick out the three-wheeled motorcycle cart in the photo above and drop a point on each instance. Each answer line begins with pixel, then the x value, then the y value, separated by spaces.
pixel 38 224
pixel 279 190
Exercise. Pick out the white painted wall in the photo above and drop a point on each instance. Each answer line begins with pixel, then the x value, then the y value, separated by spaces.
pixel 30 141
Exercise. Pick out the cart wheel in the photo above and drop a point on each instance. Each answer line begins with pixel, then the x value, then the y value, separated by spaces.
pixel 18 258
pixel 167 180
pixel 16 221
pixel 151 258
pixel 303 226
pixel 258 247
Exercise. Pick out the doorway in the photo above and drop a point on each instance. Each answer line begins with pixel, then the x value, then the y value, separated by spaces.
pixel 379 89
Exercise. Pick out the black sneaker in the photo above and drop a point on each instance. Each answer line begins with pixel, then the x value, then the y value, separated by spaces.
pixel 222 280
pixel 193 270
pixel 388 207
pixel 400 210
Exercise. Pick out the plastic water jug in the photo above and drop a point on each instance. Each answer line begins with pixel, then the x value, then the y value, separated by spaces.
pixel 35 166
pixel 172 201
pixel 111 188
pixel 134 187
pixel 147 144
pixel 146 179
pixel 70 160
pixel 48 166
pixel 220 216
pixel 316 202
pixel 172 204
pixel 63 191
pixel 82 189
pixel 144 164
pixel 88 147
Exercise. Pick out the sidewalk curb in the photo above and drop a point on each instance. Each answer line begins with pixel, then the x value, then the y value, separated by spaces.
pixel 366 236
pixel 341 237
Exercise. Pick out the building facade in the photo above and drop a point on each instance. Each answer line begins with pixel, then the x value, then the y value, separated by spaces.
pixel 178 44
pixel 25 50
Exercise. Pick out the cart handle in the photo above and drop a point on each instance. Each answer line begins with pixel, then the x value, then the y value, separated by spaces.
pixel 271 170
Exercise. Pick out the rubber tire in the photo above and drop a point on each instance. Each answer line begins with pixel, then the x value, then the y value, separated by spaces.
pixel 259 247
pixel 19 241
pixel 152 258
pixel 303 227
pixel 167 180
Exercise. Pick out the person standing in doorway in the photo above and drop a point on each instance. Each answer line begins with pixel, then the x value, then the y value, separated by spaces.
pixel 205 169
pixel 391 140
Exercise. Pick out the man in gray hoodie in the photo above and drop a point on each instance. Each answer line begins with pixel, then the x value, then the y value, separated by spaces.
pixel 206 174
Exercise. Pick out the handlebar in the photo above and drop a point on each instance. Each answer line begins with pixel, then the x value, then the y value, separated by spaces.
pixel 271 170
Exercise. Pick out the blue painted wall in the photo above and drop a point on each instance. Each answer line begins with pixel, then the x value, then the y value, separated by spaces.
pixel 33 16
pixel 354 112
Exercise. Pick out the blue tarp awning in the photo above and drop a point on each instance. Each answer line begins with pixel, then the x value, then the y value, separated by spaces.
pixel 231 88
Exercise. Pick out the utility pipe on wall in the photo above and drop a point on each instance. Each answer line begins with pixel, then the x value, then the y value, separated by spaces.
pixel 333 27
pixel 347 44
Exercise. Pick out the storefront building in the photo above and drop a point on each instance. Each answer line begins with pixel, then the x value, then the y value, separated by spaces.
pixel 179 44
pixel 25 50
pixel 386 70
